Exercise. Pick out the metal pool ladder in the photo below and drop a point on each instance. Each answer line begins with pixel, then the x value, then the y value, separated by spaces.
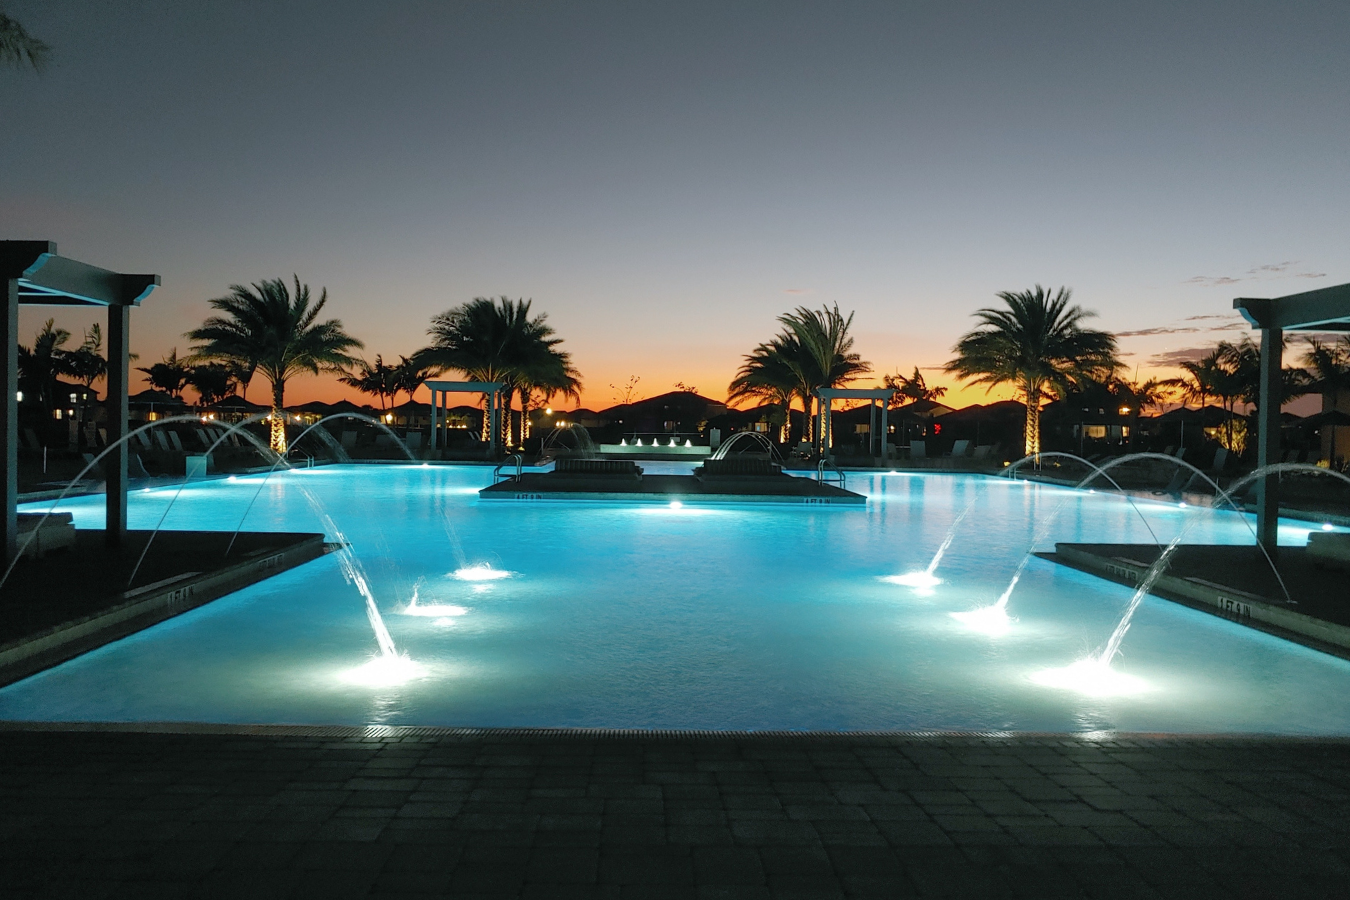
pixel 823 478
pixel 497 472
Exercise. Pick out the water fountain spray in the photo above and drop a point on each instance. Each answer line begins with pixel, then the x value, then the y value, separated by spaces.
pixel 994 619
pixel 79 477
pixel 1094 674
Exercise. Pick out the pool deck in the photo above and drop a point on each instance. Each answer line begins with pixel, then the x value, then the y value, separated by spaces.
pixel 1235 582
pixel 278 812
pixel 74 600
pixel 665 488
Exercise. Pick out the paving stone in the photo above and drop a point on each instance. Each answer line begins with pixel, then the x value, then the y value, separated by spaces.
pixel 131 814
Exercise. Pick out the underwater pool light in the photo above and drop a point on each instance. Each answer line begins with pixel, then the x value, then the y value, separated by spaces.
pixel 991 620
pixel 1092 677
pixel 921 579
pixel 480 572
pixel 385 670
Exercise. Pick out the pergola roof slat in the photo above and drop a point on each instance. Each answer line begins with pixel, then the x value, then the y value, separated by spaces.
pixel 49 279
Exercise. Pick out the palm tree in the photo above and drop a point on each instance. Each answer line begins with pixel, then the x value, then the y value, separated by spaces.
pixel 913 388
pixel 551 373
pixel 17 46
pixel 1137 396
pixel 1039 346
pixel 213 382
pixel 86 362
pixel 1201 379
pixel 1242 365
pixel 268 330
pixel 378 380
pixel 1330 366
pixel 39 366
pixel 170 375
pixel 824 349
pixel 493 341
pixel 411 373
pixel 768 375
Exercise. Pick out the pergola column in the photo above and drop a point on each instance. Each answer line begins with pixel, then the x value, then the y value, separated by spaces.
pixel 1268 437
pixel 115 463
pixel 9 412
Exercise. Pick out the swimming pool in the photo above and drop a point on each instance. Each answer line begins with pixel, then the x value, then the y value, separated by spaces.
pixel 747 617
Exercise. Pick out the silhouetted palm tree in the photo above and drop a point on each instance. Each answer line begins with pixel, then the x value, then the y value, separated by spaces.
pixel 170 375
pixel 411 373
pixel 39 367
pixel 86 361
pixel 497 342
pixel 814 350
pixel 913 388
pixel 1039 346
pixel 266 329
pixel 213 382
pixel 18 47
pixel 768 375
pixel 1330 368
pixel 1137 396
pixel 378 380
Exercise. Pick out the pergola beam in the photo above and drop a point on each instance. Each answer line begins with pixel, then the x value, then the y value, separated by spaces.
pixel 491 391
pixel 35 275
pixel 871 395
pixel 1327 309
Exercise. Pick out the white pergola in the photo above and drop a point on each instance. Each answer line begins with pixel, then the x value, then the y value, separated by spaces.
pixel 1327 309
pixel 876 441
pixel 440 406
pixel 36 274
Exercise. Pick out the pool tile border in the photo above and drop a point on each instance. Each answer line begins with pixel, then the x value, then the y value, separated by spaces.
pixel 395 732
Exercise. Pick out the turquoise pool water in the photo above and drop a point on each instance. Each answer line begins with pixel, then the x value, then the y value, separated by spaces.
pixel 746 617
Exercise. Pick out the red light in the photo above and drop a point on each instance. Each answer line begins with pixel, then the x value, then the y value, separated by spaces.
pixel 937 428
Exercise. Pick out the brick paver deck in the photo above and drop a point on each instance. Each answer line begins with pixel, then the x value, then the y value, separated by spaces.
pixel 563 815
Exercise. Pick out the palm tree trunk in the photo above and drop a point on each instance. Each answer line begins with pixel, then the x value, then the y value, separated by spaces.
pixel 278 436
pixel 1033 436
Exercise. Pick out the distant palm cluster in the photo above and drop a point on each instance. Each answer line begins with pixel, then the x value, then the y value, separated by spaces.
pixel 1036 343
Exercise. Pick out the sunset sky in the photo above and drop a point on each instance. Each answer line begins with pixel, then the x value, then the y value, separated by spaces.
pixel 663 179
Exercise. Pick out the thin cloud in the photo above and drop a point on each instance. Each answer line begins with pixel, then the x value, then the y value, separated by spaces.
pixel 1202 318
pixel 1257 273
pixel 1212 281
pixel 1172 358
pixel 1163 329
pixel 796 291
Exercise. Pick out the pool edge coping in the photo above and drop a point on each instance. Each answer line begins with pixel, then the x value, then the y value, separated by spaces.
pixel 394 732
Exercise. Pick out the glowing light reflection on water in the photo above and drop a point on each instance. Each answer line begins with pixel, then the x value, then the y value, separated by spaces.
pixel 695 617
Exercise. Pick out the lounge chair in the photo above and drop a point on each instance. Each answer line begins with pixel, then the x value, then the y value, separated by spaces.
pixel 349 440
pixel 1329 550
pixel 982 451
pixel 57 532
pixel 175 441
pixel 917 450
pixel 413 440
pixel 961 449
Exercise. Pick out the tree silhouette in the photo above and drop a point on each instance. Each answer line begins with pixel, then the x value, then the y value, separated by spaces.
pixel 267 329
pixel 1039 346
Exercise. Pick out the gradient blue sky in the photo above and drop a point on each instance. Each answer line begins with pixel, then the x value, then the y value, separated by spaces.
pixel 663 179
